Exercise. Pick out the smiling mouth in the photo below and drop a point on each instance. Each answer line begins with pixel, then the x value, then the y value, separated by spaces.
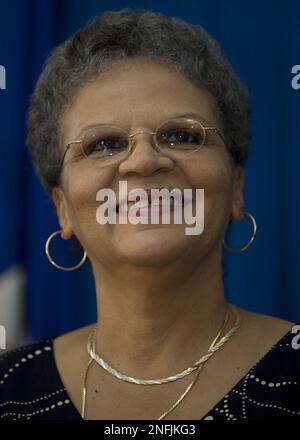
pixel 145 205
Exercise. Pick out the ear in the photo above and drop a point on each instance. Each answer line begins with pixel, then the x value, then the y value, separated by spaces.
pixel 59 201
pixel 237 209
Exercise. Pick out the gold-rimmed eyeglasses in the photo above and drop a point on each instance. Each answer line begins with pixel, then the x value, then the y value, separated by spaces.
pixel 177 138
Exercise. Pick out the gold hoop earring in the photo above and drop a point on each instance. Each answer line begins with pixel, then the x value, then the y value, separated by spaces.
pixel 251 239
pixel 58 266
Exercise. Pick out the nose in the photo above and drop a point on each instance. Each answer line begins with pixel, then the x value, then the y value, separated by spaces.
pixel 144 158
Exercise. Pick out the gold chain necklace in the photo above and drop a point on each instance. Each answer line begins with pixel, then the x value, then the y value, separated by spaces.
pixel 214 346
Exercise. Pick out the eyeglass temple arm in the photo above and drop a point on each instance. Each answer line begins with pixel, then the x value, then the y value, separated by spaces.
pixel 64 155
pixel 216 130
pixel 222 136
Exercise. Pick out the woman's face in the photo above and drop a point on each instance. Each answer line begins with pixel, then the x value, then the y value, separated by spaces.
pixel 141 94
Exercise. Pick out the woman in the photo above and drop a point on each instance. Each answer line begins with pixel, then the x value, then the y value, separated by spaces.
pixel 149 100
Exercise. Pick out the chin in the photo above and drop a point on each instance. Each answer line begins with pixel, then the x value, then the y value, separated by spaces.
pixel 155 249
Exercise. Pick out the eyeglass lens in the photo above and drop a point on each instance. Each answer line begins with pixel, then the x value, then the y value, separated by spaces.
pixel 107 143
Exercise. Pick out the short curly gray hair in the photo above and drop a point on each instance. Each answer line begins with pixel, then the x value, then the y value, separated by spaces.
pixel 111 37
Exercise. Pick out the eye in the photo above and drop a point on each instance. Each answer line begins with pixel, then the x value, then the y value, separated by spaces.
pixel 104 146
pixel 181 137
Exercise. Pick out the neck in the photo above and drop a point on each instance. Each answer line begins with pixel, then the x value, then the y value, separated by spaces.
pixel 152 319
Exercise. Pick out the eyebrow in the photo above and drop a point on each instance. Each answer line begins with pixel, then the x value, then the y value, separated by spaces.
pixel 193 115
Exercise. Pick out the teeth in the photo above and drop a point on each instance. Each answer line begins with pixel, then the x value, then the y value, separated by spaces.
pixel 144 204
pixel 166 202
pixel 161 202
pixel 122 208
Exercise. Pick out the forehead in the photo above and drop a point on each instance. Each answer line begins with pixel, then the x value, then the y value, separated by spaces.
pixel 136 93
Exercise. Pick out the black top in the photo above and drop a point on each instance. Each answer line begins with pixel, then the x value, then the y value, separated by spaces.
pixel 31 387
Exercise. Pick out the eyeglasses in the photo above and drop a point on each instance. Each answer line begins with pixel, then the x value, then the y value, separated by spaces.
pixel 176 138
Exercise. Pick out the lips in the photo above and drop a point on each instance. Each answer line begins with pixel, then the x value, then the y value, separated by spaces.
pixel 159 201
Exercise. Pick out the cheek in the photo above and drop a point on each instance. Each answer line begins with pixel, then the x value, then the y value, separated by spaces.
pixel 81 189
pixel 214 175
pixel 213 172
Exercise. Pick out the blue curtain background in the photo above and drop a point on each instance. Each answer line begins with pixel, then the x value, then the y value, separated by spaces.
pixel 262 41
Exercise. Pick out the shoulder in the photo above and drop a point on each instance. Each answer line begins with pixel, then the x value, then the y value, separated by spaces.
pixel 19 358
pixel 30 385
pixel 24 371
pixel 271 337
pixel 266 326
pixel 269 386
